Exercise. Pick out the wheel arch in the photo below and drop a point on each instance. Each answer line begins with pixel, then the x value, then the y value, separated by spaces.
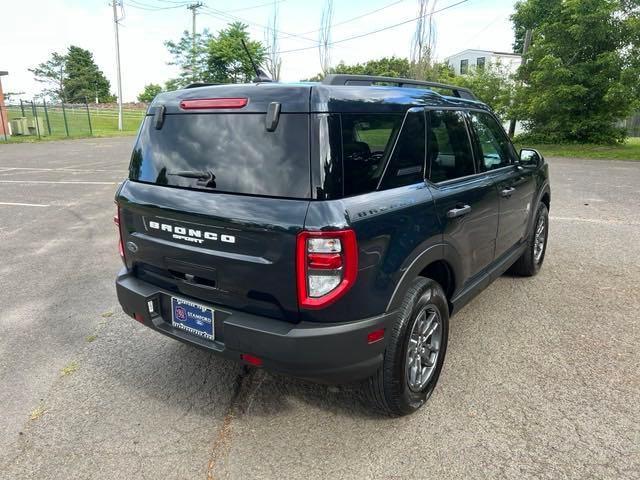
pixel 431 263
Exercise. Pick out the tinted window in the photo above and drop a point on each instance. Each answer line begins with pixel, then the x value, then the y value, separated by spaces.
pixel 495 147
pixel 449 153
pixel 367 141
pixel 406 165
pixel 236 149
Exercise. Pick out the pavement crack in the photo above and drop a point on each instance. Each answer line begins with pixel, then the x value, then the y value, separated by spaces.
pixel 237 407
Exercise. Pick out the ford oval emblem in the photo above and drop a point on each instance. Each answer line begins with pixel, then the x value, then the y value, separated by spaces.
pixel 132 247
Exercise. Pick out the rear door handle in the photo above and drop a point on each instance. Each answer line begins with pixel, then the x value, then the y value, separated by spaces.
pixel 459 211
pixel 507 192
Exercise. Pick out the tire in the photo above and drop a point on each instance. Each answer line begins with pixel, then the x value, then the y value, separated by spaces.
pixel 531 260
pixel 390 389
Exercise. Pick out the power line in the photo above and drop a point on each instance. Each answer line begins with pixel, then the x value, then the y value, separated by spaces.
pixel 348 20
pixel 220 15
pixel 389 27
pixel 266 4
pixel 154 8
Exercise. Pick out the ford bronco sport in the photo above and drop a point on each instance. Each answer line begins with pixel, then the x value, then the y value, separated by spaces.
pixel 325 230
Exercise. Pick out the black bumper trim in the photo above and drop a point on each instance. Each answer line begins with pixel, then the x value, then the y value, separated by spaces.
pixel 330 353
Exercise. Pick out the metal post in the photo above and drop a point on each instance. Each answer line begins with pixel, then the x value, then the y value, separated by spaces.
pixel 115 24
pixel 527 43
pixel 86 105
pixel 22 107
pixel 35 115
pixel 64 116
pixel 46 115
pixel 4 129
pixel 194 11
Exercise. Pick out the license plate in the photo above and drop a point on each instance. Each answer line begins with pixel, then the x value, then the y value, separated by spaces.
pixel 192 317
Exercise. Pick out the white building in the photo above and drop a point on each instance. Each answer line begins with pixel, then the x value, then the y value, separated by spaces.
pixel 469 59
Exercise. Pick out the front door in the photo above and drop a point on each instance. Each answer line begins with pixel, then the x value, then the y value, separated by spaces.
pixel 466 199
pixel 514 184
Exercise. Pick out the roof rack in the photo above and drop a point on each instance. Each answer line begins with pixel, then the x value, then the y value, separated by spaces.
pixel 344 79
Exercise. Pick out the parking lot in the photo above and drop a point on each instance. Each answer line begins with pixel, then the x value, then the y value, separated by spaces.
pixel 541 378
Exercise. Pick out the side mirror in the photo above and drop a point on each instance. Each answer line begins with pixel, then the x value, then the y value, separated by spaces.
pixel 530 157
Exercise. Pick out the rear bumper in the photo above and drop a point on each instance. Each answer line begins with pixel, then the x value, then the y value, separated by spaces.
pixel 329 353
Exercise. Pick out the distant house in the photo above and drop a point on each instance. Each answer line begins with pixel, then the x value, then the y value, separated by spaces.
pixel 467 60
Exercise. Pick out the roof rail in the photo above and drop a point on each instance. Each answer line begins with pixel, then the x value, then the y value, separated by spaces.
pixel 344 79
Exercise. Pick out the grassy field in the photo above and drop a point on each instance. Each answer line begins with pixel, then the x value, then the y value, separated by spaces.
pixel 630 150
pixel 104 122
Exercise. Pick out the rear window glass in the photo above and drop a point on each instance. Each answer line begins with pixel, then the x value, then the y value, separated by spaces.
pixel 227 153
pixel 367 141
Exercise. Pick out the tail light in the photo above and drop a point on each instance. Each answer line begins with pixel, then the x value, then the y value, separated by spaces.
pixel 116 220
pixel 327 266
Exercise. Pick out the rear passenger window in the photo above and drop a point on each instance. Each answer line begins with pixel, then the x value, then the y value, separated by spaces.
pixel 449 152
pixel 494 145
pixel 406 165
pixel 367 141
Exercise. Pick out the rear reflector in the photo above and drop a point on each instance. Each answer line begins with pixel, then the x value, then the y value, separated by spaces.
pixel 116 220
pixel 138 317
pixel 251 359
pixel 375 336
pixel 208 103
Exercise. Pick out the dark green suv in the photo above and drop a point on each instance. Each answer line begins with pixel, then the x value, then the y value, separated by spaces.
pixel 325 230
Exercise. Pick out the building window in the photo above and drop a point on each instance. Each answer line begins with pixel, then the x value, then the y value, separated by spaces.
pixel 480 63
pixel 464 66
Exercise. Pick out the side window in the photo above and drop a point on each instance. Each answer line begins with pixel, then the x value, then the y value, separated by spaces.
pixel 449 152
pixel 367 140
pixel 494 145
pixel 406 165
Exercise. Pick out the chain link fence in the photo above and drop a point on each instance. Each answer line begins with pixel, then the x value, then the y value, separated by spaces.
pixel 39 119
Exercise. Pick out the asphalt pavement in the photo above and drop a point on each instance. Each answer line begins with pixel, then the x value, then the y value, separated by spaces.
pixel 541 378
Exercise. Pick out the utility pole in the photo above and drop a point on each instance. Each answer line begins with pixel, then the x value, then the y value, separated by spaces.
pixel 525 47
pixel 194 12
pixel 115 24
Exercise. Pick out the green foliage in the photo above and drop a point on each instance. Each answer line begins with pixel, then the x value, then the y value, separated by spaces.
pixel 52 74
pixel 84 79
pixel 215 58
pixel 492 85
pixel 73 76
pixel 192 59
pixel 581 71
pixel 149 93
pixel 227 62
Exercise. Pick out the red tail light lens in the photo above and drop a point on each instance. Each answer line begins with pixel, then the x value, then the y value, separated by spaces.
pixel 209 103
pixel 116 220
pixel 327 266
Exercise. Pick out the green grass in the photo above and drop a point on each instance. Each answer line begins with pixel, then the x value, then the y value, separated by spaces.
pixel 104 123
pixel 629 151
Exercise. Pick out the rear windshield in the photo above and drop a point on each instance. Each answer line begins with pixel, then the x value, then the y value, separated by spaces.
pixel 226 153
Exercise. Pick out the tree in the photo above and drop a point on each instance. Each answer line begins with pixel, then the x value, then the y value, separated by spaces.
pixel 73 76
pixel 84 80
pixel 581 72
pixel 273 61
pixel 192 62
pixel 324 43
pixel 492 84
pixel 424 40
pixel 149 93
pixel 227 62
pixel 52 74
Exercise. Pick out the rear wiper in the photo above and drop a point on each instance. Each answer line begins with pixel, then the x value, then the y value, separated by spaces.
pixel 205 178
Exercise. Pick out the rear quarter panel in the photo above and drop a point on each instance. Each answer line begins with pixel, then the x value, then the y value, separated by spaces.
pixel 392 227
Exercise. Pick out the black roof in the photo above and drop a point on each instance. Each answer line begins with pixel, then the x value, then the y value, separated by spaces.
pixel 327 97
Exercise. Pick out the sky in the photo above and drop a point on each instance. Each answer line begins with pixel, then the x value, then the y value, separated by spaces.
pixel 31 34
